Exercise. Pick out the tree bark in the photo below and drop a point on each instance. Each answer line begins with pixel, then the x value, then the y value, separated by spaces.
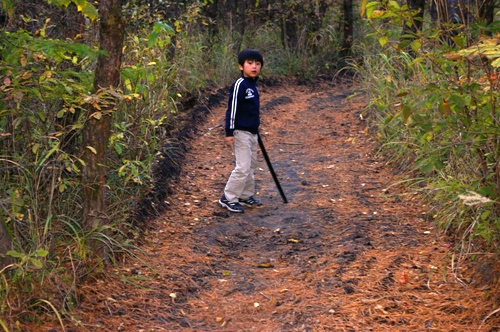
pixel 96 130
pixel 348 29
pixel 240 23
pixel 5 245
pixel 289 34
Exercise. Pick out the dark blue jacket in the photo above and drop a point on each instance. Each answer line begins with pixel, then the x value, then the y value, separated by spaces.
pixel 243 106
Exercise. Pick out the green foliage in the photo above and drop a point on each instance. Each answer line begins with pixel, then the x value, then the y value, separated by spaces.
pixel 29 261
pixel 436 105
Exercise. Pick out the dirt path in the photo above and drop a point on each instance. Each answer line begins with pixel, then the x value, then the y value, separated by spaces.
pixel 351 251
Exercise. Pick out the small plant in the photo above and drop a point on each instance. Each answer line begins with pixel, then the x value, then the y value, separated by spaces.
pixel 29 261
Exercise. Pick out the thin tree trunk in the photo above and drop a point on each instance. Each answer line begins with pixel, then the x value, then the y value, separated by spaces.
pixel 289 34
pixel 348 27
pixel 240 23
pixel 96 130
pixel 5 245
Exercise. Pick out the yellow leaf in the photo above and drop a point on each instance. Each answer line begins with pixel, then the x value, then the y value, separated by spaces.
pixel 23 60
pixel 97 115
pixel 91 149
pixel 393 5
pixel 383 40
pixel 363 8
pixel 291 240
pixel 496 63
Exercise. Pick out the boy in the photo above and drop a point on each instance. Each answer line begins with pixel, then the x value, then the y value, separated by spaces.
pixel 242 126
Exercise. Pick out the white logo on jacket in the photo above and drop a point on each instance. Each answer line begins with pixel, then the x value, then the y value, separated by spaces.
pixel 249 93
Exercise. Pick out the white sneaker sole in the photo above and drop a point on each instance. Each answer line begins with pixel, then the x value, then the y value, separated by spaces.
pixel 224 205
pixel 250 205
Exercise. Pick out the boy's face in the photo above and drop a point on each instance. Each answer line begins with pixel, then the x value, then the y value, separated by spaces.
pixel 251 68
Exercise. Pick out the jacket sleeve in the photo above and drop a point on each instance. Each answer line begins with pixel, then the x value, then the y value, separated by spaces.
pixel 232 107
pixel 229 123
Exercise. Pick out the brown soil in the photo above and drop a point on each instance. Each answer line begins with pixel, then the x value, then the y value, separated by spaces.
pixel 351 251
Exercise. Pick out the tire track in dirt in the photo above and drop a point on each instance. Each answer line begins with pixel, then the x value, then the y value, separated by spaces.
pixel 351 251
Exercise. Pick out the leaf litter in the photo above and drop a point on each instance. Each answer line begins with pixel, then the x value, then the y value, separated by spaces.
pixel 351 251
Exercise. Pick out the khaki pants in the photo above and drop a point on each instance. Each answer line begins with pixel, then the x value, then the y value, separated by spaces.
pixel 241 183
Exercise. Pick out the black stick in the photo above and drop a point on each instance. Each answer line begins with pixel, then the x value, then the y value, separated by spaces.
pixel 270 166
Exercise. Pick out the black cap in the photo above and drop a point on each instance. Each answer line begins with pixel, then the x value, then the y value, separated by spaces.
pixel 250 54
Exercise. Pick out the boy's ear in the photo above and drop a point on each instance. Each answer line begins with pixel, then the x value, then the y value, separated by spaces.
pixel 240 66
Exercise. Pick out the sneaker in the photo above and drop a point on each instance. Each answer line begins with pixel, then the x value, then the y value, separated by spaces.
pixel 250 201
pixel 231 206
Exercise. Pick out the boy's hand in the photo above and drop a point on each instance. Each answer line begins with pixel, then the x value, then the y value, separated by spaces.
pixel 229 140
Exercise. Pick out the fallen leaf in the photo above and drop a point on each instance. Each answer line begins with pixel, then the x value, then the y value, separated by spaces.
pixel 379 307
pixel 293 241
pixel 404 278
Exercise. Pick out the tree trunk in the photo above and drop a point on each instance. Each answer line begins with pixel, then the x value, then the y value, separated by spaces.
pixel 240 24
pixel 348 29
pixel 5 245
pixel 289 33
pixel 96 130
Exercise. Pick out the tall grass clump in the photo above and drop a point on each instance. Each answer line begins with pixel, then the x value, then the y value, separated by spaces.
pixel 434 102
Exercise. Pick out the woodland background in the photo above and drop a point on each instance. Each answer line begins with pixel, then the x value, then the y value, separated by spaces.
pixel 92 97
